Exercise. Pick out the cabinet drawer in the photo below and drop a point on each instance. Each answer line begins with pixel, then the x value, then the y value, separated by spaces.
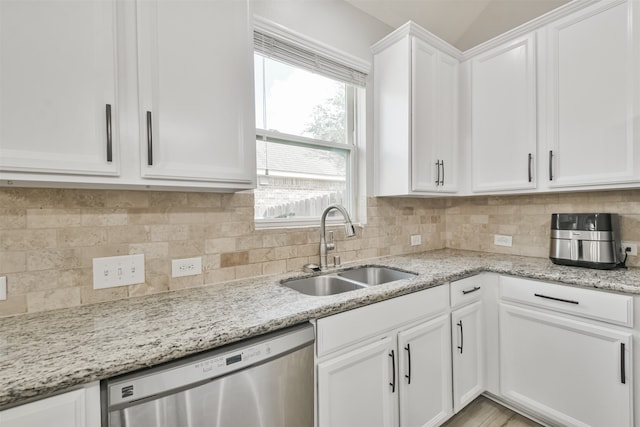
pixel 599 305
pixel 341 330
pixel 466 291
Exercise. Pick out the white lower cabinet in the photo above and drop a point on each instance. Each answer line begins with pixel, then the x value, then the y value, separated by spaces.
pixel 401 379
pixel 400 376
pixel 570 371
pixel 354 388
pixel 467 350
pixel 77 408
pixel 468 340
pixel 425 373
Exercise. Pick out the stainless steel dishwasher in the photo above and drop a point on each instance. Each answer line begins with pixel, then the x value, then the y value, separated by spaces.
pixel 263 381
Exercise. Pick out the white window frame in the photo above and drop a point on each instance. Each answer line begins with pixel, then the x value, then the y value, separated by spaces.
pixel 355 131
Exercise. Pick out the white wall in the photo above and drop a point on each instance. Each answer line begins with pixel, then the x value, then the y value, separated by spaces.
pixel 333 22
pixel 343 27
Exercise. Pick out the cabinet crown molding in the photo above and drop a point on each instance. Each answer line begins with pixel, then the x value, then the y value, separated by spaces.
pixel 533 25
pixel 413 29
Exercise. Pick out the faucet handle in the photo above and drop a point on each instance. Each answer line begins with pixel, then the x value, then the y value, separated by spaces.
pixel 329 241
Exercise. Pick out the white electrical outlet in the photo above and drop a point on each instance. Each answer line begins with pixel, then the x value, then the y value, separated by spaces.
pixel 110 272
pixel 186 267
pixel 501 240
pixel 3 288
pixel 416 240
pixel 633 248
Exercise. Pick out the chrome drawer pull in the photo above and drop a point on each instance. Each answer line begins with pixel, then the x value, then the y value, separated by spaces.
pixel 461 346
pixel 557 299
pixel 468 291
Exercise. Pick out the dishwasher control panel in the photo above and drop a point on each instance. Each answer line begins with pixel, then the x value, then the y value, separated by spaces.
pixel 231 361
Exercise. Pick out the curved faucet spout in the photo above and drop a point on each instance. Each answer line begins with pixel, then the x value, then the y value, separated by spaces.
pixel 349 231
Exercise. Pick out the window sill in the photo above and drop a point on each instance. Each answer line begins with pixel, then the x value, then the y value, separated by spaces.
pixel 268 224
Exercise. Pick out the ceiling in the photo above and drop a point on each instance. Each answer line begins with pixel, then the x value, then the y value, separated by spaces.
pixel 462 23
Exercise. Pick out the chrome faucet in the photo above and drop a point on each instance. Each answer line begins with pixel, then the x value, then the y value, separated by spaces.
pixel 328 244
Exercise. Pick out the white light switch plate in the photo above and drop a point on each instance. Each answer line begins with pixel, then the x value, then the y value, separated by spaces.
pixel 110 272
pixel 3 288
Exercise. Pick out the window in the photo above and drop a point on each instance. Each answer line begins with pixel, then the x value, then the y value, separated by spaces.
pixel 306 111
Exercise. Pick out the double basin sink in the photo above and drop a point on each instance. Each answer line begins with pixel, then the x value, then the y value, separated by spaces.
pixel 348 280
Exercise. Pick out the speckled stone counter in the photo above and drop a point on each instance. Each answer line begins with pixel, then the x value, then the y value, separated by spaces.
pixel 41 354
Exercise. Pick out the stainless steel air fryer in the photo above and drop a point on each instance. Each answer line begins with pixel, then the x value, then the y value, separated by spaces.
pixel 586 239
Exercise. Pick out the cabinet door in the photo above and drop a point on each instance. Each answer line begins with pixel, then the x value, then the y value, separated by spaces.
pixel 434 119
pixel 572 372
pixel 78 408
pixel 57 83
pixel 355 389
pixel 424 116
pixel 593 96
pixel 447 146
pixel 196 91
pixel 425 373
pixel 503 123
pixel 467 348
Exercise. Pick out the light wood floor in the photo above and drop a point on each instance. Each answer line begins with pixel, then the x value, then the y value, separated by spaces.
pixel 484 412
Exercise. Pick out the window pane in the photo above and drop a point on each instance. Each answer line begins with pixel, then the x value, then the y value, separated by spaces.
pixel 299 182
pixel 299 102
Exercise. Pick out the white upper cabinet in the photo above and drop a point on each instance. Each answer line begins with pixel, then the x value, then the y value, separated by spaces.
pixel 196 91
pixel 593 96
pixel 415 114
pixel 58 74
pixel 503 117
pixel 147 94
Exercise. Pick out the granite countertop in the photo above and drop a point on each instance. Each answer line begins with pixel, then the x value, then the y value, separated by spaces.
pixel 44 353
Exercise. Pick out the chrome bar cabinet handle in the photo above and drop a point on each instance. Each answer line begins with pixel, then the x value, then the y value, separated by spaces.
pixel 392 355
pixel 468 291
pixel 149 139
pixel 109 134
pixel 408 375
pixel 623 372
pixel 569 301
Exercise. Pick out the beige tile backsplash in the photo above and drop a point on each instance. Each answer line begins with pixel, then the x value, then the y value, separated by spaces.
pixel 48 238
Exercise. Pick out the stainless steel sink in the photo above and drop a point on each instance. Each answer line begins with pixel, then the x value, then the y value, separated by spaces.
pixel 323 285
pixel 375 275
pixel 345 281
